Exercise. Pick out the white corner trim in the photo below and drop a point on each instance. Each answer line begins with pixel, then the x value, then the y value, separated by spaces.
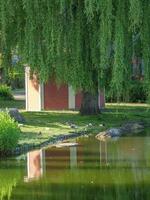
pixel 41 96
pixel 71 97
pixel 39 100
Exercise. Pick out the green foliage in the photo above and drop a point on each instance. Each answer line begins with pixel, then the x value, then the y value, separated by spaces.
pixel 19 104
pixel 8 181
pixel 145 32
pixel 105 39
pixel 78 42
pixel 119 46
pixel 136 93
pixel 5 92
pixel 9 133
pixel 135 13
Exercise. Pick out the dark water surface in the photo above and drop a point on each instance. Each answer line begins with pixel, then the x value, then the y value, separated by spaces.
pixel 93 170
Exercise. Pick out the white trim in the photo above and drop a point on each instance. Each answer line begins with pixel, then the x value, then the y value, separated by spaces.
pixel 27 91
pixel 42 95
pixel 71 98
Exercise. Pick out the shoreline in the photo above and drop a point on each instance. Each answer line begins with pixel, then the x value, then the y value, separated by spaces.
pixel 25 148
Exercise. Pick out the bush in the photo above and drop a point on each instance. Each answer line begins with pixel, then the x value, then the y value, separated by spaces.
pixel 9 133
pixel 5 92
pixel 137 92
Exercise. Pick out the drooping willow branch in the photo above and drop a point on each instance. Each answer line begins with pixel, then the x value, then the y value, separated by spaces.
pixel 76 41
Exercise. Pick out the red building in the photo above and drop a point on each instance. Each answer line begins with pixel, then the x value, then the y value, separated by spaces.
pixel 51 97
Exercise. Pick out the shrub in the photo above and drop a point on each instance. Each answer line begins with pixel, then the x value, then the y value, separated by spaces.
pixel 9 133
pixel 5 92
pixel 137 92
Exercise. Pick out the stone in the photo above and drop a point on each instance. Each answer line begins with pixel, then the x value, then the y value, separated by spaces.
pixel 114 132
pixel 102 136
pixel 130 127
pixel 14 113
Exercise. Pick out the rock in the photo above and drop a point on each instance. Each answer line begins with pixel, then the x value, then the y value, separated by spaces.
pixel 14 113
pixel 103 136
pixel 130 127
pixel 114 132
pixel 110 133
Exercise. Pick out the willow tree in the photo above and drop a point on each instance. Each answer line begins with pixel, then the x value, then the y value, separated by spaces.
pixel 85 43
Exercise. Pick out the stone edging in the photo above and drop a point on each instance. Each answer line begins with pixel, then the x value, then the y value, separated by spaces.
pixel 129 127
pixel 29 147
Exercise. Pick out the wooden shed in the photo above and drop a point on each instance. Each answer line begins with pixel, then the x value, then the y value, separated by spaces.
pixel 49 96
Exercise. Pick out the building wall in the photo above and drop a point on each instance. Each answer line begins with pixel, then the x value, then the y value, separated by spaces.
pixel 63 97
pixel 55 98
pixel 49 96
pixel 33 92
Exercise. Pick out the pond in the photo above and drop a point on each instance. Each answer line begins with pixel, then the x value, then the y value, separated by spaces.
pixel 93 170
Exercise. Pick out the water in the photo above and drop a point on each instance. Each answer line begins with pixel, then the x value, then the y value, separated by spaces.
pixel 94 170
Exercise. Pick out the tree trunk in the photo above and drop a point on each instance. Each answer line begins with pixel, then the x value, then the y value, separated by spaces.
pixel 89 104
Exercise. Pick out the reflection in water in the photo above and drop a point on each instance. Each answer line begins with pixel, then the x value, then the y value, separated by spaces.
pixel 73 157
pixel 8 181
pixel 103 153
pixel 93 170
pixel 35 164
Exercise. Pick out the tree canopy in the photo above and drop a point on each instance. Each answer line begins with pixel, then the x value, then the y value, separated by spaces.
pixel 81 42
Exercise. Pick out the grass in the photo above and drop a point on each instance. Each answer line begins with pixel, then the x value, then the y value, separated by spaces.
pixel 12 104
pixel 53 123
pixel 40 126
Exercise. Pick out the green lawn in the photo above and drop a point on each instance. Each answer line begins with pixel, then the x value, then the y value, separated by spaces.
pixel 12 104
pixel 53 123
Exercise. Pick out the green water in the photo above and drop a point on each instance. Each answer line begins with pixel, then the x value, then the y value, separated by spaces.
pixel 93 170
